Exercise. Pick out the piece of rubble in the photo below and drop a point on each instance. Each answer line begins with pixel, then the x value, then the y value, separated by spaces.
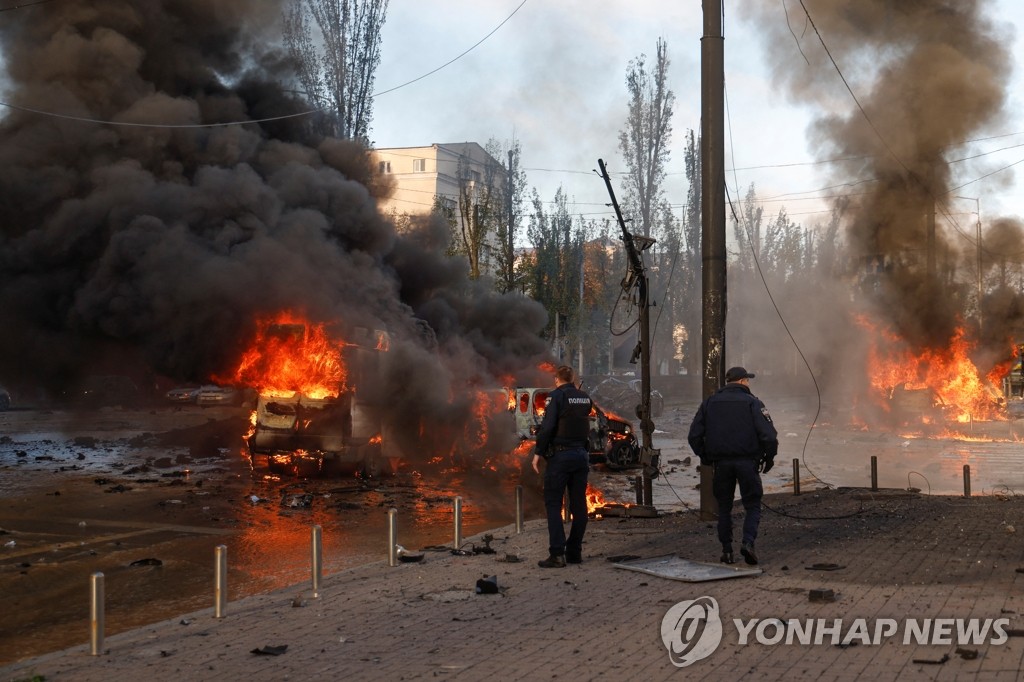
pixel 822 595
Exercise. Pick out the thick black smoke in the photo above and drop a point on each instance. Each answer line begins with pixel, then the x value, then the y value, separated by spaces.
pixel 928 75
pixel 161 246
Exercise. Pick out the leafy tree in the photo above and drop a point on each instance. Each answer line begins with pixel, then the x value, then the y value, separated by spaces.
pixel 337 69
pixel 557 265
pixel 690 308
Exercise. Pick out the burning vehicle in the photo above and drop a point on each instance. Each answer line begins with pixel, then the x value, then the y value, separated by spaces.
pixel 309 418
pixel 1013 386
pixel 612 440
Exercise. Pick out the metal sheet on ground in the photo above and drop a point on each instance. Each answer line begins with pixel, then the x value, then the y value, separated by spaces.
pixel 676 568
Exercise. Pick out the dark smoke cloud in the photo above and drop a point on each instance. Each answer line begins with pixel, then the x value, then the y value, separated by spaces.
pixel 930 75
pixel 163 245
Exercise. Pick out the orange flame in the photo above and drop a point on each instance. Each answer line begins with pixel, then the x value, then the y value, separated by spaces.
pixel 291 355
pixel 595 499
pixel 948 373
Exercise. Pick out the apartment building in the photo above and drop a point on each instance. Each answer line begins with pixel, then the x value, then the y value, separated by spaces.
pixel 422 173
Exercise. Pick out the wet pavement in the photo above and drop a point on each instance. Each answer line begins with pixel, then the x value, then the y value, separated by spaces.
pixel 110 496
pixel 145 497
pixel 839 567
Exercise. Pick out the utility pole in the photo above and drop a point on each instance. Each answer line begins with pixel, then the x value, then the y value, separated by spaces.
pixel 712 185
pixel 511 228
pixel 930 227
pixel 637 277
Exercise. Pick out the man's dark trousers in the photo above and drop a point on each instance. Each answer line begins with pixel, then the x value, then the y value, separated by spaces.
pixel 729 472
pixel 566 469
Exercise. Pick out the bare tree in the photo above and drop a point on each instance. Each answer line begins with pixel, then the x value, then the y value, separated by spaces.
pixel 337 69
pixel 645 140
pixel 507 213
pixel 481 203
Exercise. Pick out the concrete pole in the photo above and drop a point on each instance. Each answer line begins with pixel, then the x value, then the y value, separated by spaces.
pixel 713 254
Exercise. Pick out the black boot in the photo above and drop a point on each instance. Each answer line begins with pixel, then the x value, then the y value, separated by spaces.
pixel 574 556
pixel 553 561
pixel 747 550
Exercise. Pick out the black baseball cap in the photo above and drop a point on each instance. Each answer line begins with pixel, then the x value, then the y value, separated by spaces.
pixel 737 373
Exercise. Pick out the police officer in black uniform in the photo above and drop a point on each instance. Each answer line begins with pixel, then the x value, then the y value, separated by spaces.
pixel 733 431
pixel 562 441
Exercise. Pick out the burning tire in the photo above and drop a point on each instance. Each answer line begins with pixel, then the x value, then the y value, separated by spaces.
pixel 622 455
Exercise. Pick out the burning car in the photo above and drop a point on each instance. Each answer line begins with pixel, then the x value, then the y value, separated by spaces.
pixel 612 440
pixel 309 420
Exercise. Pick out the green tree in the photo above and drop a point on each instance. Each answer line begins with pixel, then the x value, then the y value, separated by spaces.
pixel 555 277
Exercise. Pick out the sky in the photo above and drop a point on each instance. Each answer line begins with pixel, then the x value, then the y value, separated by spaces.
pixel 552 77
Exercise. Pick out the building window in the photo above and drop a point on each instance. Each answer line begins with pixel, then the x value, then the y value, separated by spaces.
pixel 475 175
pixel 419 165
pixel 384 167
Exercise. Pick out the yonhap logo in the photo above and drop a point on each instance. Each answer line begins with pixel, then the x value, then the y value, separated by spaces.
pixel 691 630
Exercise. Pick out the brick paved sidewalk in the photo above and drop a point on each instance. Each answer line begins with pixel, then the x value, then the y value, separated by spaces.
pixel 904 556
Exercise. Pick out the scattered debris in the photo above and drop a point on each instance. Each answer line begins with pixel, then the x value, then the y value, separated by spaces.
pixel 185 621
pixel 623 557
pixel 488 585
pixel 408 557
pixel 298 601
pixel 271 650
pixel 822 595
pixel 639 511
pixel 967 654
pixel 486 549
pixel 296 500
pixel 255 499
pixel 925 661
pixel 824 567
pixel 147 562
pixel 85 442
pixel 509 559
pixel 10 543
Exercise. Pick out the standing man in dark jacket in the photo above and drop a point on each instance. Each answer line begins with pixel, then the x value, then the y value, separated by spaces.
pixel 733 431
pixel 562 441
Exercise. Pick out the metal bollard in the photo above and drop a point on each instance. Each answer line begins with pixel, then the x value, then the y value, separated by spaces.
pixel 317 559
pixel 565 507
pixel 639 483
pixel 220 581
pixel 457 540
pixel 392 537
pixel 874 474
pixel 967 480
pixel 796 476
pixel 96 620
pixel 519 510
